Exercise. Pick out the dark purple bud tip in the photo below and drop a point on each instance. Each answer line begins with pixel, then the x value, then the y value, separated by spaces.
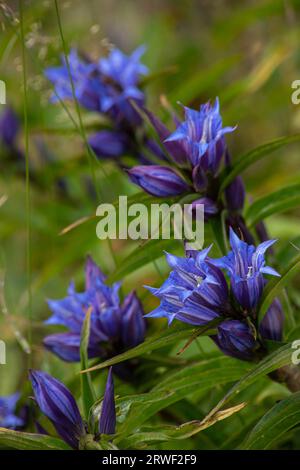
pixel 271 326
pixel 107 422
pixel 235 195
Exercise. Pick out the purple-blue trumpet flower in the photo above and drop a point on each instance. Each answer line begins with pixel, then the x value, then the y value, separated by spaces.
pixel 201 136
pixel 196 149
pixel 58 404
pixel 197 292
pixel 88 88
pixel 115 326
pixel 246 267
pixel 106 86
pixel 122 74
pixel 8 418
pixel 198 144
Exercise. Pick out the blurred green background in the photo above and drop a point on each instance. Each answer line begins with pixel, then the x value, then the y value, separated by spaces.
pixel 245 52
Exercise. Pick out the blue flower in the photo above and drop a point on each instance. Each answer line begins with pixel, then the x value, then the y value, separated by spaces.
pixel 114 326
pixel 202 136
pixel 197 147
pixel 122 74
pixel 246 268
pixel 8 418
pixel 123 69
pixel 195 292
pixel 88 87
pixel 106 86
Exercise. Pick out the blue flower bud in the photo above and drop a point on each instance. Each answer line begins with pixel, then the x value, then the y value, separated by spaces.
pixel 109 144
pixel 271 326
pixel 58 404
pixel 107 422
pixel 158 180
pixel 235 339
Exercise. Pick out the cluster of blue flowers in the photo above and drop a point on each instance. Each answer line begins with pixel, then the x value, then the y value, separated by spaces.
pixel 197 293
pixel 115 326
pixel 110 87
pixel 196 150
pixel 222 293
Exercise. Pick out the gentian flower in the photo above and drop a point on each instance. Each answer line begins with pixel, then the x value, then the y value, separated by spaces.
pixel 202 137
pixel 122 74
pixel 108 86
pixel 246 267
pixel 8 418
pixel 197 147
pixel 58 404
pixel 88 87
pixel 197 292
pixel 114 326
pixel 105 87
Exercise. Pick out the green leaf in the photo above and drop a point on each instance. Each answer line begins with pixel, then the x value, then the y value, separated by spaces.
pixel 275 286
pixel 282 200
pixel 157 341
pixel 160 433
pixel 273 361
pixel 274 424
pixel 137 409
pixel 253 156
pixel 27 441
pixel 87 390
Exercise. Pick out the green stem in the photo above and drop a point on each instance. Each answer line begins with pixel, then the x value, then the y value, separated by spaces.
pixel 27 180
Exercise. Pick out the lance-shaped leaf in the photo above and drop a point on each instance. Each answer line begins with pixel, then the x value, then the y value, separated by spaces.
pixel 275 286
pixel 184 431
pixel 253 156
pixel 275 424
pixel 160 340
pixel 275 360
pixel 282 200
pixel 28 441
